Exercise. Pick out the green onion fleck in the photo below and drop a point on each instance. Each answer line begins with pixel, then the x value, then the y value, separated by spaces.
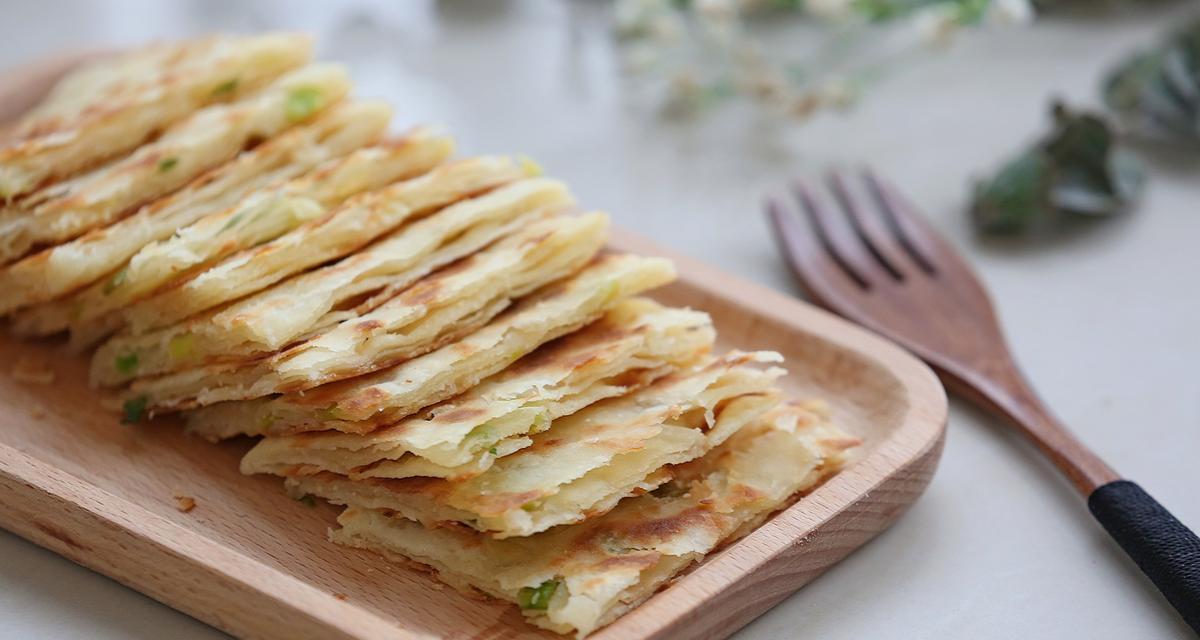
pixel 530 166
pixel 302 103
pixel 538 597
pixel 117 280
pixel 181 346
pixel 232 222
pixel 328 413
pixel 492 451
pixel 530 506
pixel 308 500
pixel 225 88
pixel 126 363
pixel 133 410
pixel 166 164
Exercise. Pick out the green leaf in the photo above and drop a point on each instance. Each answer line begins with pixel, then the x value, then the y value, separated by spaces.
pixel 302 103
pixel 1077 169
pixel 166 164
pixel 1156 93
pixel 126 363
pixel 1010 201
pixel 537 598
pixel 134 409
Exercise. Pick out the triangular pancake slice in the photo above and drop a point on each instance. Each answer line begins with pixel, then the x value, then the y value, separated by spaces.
pixel 362 404
pixel 438 309
pixel 581 577
pixel 205 139
pixel 113 105
pixel 635 343
pixel 334 234
pixel 585 462
pixel 313 302
pixel 258 218
pixel 100 254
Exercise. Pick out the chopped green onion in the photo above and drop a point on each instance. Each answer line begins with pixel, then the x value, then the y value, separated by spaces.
pixel 181 346
pixel 266 421
pixel 232 222
pixel 530 166
pixel 302 103
pixel 530 506
pixel 166 164
pixel 126 363
pixel 117 280
pixel 225 88
pixel 308 500
pixel 537 598
pixel 328 413
pixel 492 451
pixel 133 409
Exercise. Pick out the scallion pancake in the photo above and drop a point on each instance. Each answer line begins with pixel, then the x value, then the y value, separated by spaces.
pixel 112 106
pixel 203 140
pixel 634 344
pixel 258 218
pixel 364 403
pixel 438 309
pixel 333 235
pixel 308 304
pixel 101 253
pixel 581 577
pixel 585 462
pixel 159 351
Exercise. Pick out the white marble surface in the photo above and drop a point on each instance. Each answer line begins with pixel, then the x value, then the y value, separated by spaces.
pixel 1105 321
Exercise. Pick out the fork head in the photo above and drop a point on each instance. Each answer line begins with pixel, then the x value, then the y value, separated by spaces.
pixel 863 252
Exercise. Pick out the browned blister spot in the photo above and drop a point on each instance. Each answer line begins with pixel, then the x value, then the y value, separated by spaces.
pixel 364 401
pixel 459 414
pixel 655 530
pixel 368 326
pixel 640 561
pixel 498 504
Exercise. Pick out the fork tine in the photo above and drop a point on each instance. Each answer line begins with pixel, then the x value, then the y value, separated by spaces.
pixel 809 261
pixel 835 236
pixel 879 242
pixel 910 228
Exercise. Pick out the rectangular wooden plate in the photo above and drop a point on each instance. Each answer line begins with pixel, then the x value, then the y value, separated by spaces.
pixel 255 563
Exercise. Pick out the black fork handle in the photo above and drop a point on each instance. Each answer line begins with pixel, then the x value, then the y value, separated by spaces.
pixel 1165 550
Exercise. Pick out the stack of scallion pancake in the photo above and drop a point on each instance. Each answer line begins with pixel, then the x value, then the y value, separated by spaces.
pixel 441 344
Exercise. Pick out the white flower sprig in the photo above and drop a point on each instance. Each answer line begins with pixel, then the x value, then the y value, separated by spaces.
pixel 708 50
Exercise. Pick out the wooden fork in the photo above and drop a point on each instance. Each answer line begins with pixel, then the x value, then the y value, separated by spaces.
pixel 881 265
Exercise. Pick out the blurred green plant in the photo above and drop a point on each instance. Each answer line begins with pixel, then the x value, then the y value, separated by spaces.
pixel 1076 170
pixel 1156 93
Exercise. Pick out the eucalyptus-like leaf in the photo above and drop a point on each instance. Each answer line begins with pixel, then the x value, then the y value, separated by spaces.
pixel 1077 169
pixel 1157 93
pixel 1016 197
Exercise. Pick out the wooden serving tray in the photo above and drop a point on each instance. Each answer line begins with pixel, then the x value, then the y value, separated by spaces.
pixel 253 562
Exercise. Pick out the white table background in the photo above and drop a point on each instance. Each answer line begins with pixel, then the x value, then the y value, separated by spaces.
pixel 1104 321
